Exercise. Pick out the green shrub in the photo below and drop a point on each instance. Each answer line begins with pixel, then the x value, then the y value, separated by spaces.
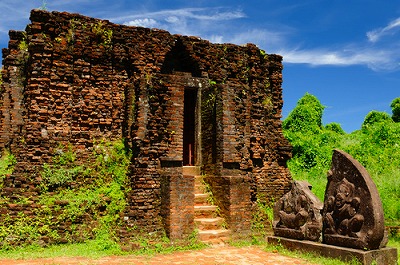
pixel 395 105
pixel 306 116
pixel 62 170
pixel 335 127
pixel 374 117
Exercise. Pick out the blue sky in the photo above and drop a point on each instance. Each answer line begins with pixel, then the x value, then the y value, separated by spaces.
pixel 346 53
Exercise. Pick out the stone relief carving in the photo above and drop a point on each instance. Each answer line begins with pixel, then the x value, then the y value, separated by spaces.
pixel 298 214
pixel 342 209
pixel 351 215
pixel 353 212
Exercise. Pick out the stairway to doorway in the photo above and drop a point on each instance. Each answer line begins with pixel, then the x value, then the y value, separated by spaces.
pixel 211 226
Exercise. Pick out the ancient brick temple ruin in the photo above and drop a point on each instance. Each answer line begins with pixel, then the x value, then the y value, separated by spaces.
pixel 176 100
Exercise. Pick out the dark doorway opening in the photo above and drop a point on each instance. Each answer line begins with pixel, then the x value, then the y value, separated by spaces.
pixel 189 127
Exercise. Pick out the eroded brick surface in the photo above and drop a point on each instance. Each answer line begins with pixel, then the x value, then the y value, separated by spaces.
pixel 79 79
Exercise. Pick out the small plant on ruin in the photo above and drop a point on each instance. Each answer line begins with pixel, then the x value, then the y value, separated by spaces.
pixel 211 96
pixel 208 191
pixel 58 39
pixel 104 35
pixel 262 219
pixel 23 45
pixel 70 36
pixel 62 170
pixel 268 104
pixel 7 162
pixel 263 54
pixel 149 78
pixel 44 5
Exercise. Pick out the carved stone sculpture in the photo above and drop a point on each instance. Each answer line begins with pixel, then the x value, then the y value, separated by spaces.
pixel 297 214
pixel 353 213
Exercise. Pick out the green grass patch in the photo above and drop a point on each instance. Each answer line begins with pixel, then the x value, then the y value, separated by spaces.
pixel 96 248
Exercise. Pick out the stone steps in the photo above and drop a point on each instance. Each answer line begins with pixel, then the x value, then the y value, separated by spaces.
pixel 209 223
pixel 211 227
pixel 214 236
pixel 201 199
pixel 199 187
pixel 191 170
pixel 205 211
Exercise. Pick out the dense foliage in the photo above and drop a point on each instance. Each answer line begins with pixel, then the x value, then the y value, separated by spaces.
pixel 376 146
pixel 396 109
pixel 102 197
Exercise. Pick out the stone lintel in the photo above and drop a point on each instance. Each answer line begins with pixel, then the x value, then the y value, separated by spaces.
pixel 382 256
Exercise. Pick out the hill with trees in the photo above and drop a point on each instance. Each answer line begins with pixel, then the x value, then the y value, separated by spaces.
pixel 376 146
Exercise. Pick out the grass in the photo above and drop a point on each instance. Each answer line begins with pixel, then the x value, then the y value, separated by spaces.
pixel 316 258
pixel 95 249
pixel 92 250
pixel 308 256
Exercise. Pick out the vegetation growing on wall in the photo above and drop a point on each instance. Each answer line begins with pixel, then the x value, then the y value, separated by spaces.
pixel 72 191
pixel 376 146
pixel 104 35
pixel 7 162
pixel 261 223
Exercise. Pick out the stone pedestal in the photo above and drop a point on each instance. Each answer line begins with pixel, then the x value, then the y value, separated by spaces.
pixel 382 256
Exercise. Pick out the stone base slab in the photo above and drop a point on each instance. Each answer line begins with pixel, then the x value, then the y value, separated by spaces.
pixel 383 256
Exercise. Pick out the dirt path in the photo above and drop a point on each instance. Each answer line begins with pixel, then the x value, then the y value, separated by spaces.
pixel 225 255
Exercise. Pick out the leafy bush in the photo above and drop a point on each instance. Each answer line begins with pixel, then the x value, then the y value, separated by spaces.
pixel 303 128
pixel 62 170
pixel 395 109
pixel 374 117
pixel 335 127
pixel 306 116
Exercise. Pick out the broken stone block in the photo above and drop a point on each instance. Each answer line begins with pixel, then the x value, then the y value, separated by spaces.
pixel 297 214
pixel 353 212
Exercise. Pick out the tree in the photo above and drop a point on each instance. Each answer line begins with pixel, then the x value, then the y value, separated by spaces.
pixel 395 109
pixel 306 116
pixel 303 128
pixel 335 127
pixel 374 117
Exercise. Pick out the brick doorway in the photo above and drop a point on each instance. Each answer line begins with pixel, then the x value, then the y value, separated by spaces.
pixel 190 128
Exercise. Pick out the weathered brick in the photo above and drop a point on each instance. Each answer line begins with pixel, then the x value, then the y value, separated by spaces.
pixel 134 88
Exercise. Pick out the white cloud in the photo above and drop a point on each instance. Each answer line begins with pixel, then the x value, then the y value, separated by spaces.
pixel 221 24
pixel 377 34
pixel 172 19
pixel 143 22
pixel 216 38
pixel 377 60
pixel 173 15
pixel 185 21
pixel 261 37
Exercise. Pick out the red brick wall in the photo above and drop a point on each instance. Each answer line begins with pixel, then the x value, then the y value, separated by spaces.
pixel 75 85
